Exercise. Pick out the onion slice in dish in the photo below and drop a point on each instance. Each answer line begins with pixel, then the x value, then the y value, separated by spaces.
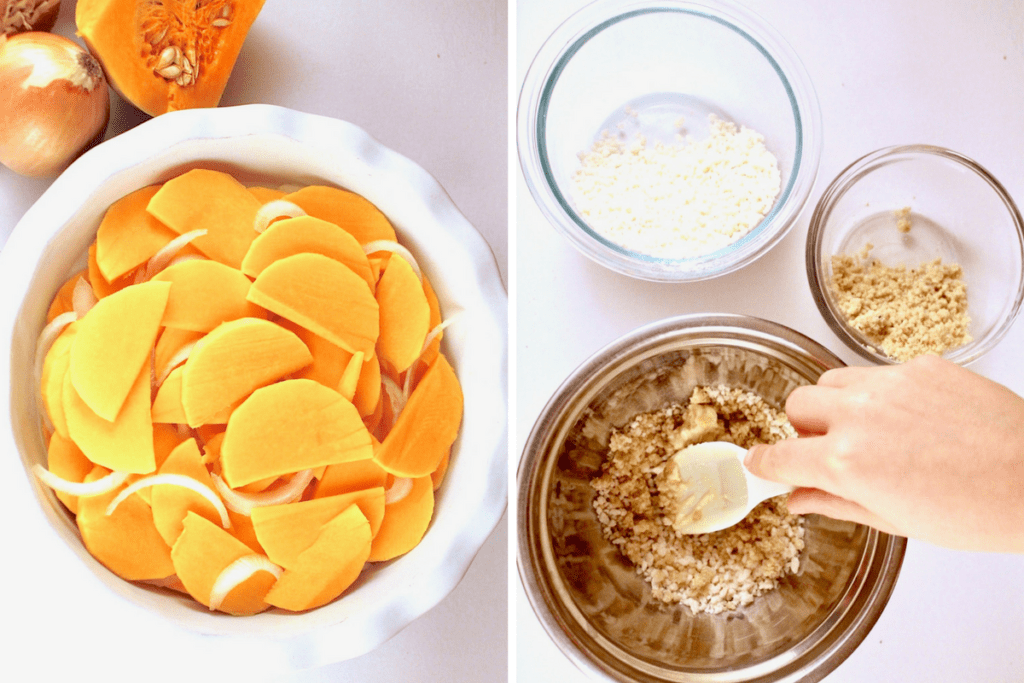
pixel 162 258
pixel 395 248
pixel 237 572
pixel 243 503
pixel 398 490
pixel 279 208
pixel 43 344
pixel 73 488
pixel 82 297
pixel 174 480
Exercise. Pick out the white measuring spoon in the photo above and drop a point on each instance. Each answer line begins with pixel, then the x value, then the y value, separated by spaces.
pixel 716 490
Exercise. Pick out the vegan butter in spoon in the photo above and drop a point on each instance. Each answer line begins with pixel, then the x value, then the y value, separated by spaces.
pixel 706 488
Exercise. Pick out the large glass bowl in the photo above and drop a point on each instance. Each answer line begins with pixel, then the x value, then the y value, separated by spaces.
pixel 959 212
pixel 591 600
pixel 665 60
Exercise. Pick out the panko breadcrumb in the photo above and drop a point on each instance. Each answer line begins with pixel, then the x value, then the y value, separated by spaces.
pixel 714 572
pixel 906 312
pixel 681 200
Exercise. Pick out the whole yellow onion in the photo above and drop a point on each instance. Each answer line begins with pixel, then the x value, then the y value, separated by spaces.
pixel 54 102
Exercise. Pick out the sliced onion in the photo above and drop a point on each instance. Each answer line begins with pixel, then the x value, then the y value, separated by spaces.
pixel 181 258
pixel 396 396
pixel 243 503
pixel 174 480
pixel 396 248
pixel 177 359
pixel 82 297
pixel 436 332
pixel 398 490
pixel 237 572
pixel 163 257
pixel 75 488
pixel 43 344
pixel 279 208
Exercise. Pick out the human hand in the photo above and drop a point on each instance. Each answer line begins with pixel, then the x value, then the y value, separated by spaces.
pixel 925 449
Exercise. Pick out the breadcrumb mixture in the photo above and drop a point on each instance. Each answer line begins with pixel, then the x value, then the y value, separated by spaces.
pixel 905 312
pixel 677 201
pixel 715 572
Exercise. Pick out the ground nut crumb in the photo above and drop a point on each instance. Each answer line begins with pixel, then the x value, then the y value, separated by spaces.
pixel 713 572
pixel 680 200
pixel 904 312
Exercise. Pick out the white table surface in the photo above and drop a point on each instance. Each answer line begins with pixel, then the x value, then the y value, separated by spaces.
pixel 428 80
pixel 886 72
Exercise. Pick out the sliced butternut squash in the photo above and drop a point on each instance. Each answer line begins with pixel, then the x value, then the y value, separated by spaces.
pixel 168 407
pixel 101 287
pixel 64 459
pixel 126 542
pixel 113 343
pixel 323 296
pixel 234 360
pixel 329 360
pixel 325 569
pixel 405 522
pixel 205 294
pixel 306 234
pixel 290 426
pixel 285 531
pixel 126 444
pixel 346 477
pixel 171 503
pixel 202 552
pixel 426 427
pixel 63 301
pixel 213 201
pixel 55 370
pixel 165 56
pixel 265 194
pixel 404 314
pixel 128 236
pixel 430 353
pixel 350 212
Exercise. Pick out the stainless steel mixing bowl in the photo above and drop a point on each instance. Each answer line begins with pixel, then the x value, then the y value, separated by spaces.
pixel 590 599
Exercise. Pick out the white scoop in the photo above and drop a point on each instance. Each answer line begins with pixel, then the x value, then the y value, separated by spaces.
pixel 715 490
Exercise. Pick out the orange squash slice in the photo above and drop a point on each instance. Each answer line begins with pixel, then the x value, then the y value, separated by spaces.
pixel 124 445
pixel 127 541
pixel 202 552
pixel 323 296
pixel 128 236
pixel 113 343
pixel 213 201
pixel 346 477
pixel 171 503
pixel 405 522
pixel 290 426
pixel 285 531
pixel 325 569
pixel 205 294
pixel 404 314
pixel 354 214
pixel 64 459
pixel 306 234
pixel 234 360
pixel 426 427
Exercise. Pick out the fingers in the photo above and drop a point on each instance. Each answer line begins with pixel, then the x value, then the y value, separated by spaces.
pixel 840 378
pixel 810 408
pixel 797 462
pixel 805 501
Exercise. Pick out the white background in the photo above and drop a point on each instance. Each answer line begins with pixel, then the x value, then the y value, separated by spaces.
pixel 429 80
pixel 944 72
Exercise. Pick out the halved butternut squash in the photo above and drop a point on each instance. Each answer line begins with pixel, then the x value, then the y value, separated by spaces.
pixel 163 55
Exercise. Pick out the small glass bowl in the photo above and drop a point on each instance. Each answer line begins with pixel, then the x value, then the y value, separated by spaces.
pixel 958 212
pixel 665 60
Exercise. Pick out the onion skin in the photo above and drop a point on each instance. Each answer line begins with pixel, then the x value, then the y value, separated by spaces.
pixel 54 103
